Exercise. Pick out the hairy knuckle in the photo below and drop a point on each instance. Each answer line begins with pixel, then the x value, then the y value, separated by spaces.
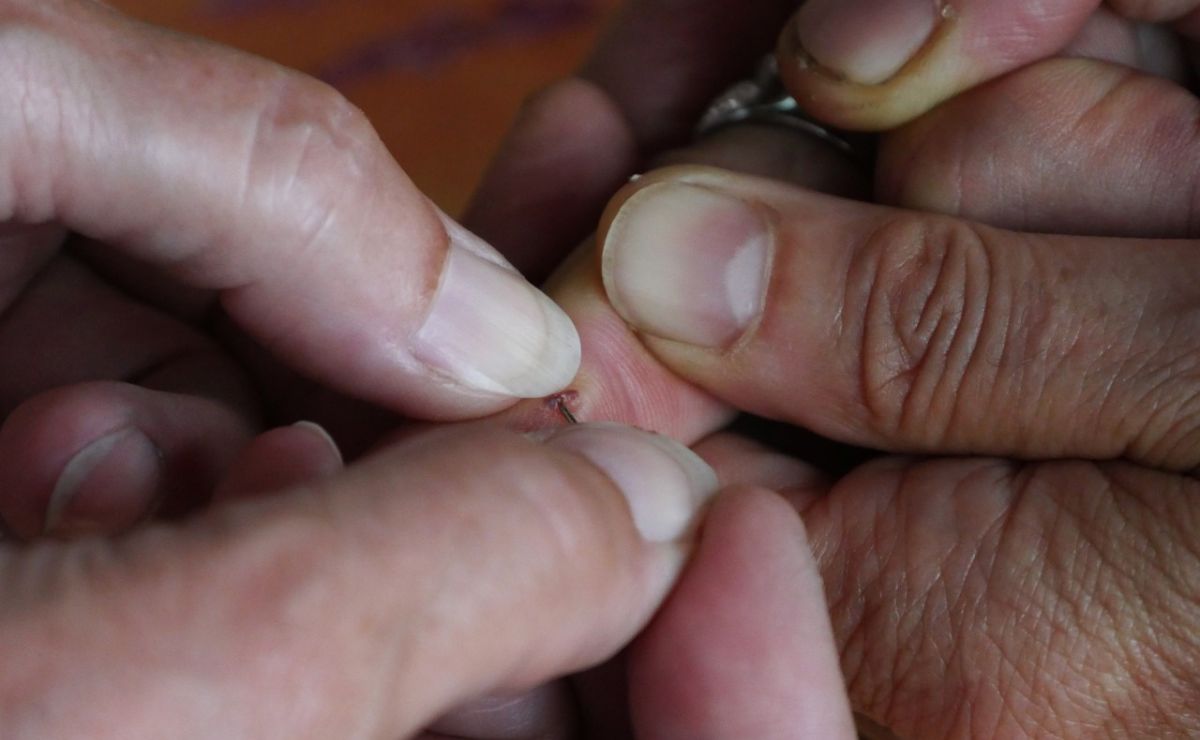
pixel 921 287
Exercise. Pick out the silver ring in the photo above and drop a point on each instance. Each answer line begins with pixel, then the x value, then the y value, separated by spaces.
pixel 763 99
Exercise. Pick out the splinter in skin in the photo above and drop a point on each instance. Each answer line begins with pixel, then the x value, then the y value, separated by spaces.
pixel 560 404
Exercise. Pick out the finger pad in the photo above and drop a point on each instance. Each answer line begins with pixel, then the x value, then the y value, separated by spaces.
pixel 744 647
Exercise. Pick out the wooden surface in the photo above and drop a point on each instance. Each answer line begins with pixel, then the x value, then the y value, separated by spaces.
pixel 441 79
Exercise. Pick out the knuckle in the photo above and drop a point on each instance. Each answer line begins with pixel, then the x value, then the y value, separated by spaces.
pixel 33 56
pixel 919 288
pixel 301 110
pixel 310 142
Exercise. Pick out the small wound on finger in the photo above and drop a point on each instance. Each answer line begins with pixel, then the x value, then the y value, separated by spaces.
pixel 561 403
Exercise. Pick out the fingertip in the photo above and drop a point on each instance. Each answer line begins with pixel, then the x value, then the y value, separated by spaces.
pixel 665 484
pixel 76 463
pixel 743 462
pixel 883 99
pixel 107 486
pixel 865 42
pixel 489 333
pixel 933 51
pixel 280 459
pixel 101 457
pixel 331 458
pixel 744 647
pixel 568 150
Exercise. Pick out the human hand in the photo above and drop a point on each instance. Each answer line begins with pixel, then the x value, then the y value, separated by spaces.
pixel 209 183
pixel 365 602
pixel 641 92
pixel 1059 590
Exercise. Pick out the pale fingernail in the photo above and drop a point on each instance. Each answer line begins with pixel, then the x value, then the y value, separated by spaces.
pixel 323 434
pixel 688 263
pixel 489 330
pixel 665 483
pixel 865 41
pixel 108 485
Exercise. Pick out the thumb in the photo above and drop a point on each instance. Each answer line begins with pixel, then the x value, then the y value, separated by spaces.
pixel 236 176
pixel 906 331
pixel 464 562
pixel 874 64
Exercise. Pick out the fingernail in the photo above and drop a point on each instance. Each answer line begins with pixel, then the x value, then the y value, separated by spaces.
pixel 865 41
pixel 108 485
pixel 688 263
pixel 323 434
pixel 490 331
pixel 665 483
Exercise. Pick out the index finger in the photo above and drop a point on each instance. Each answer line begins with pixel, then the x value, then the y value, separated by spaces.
pixel 239 176
pixel 384 595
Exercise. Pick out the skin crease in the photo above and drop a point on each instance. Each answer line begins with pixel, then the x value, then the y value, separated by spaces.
pixel 938 150
pixel 988 554
pixel 245 587
pixel 199 370
pixel 915 579
pixel 223 622
pixel 974 42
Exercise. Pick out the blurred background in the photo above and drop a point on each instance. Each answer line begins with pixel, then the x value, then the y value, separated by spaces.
pixel 440 79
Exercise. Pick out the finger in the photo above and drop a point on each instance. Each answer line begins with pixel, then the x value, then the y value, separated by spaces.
pixel 101 457
pixel 1064 146
pixel 362 591
pixel 663 63
pixel 743 647
pixel 241 177
pixel 574 143
pixel 779 153
pixel 906 331
pixel 545 713
pixel 60 340
pixel 280 459
pixel 1150 47
pixel 874 64
pixel 619 380
pixel 67 327
pixel 743 462
pixel 568 151
pixel 1157 11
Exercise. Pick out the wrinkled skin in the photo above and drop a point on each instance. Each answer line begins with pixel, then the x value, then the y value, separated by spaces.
pixel 970 595
pixel 228 204
pixel 1044 580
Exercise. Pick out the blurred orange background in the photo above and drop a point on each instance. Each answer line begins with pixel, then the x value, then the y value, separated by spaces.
pixel 440 79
